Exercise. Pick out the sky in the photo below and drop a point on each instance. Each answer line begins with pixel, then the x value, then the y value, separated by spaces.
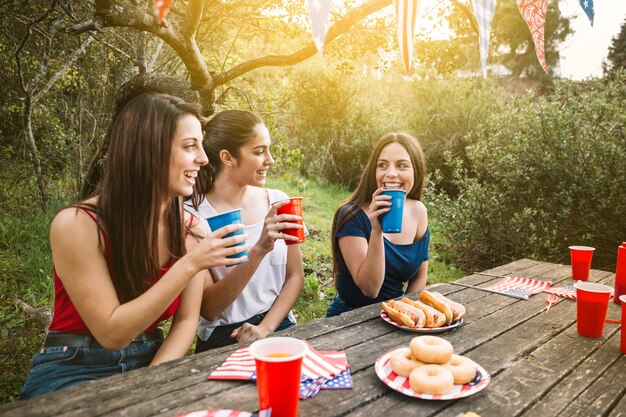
pixel 583 52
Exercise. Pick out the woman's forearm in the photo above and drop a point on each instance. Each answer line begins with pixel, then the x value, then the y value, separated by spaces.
pixel 371 274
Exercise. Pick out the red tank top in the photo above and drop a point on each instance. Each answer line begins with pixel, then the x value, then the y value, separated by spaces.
pixel 65 317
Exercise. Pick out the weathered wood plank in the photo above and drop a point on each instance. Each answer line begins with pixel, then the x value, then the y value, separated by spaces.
pixel 513 339
pixel 576 384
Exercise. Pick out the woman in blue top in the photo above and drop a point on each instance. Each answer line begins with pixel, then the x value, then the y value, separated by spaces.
pixel 368 265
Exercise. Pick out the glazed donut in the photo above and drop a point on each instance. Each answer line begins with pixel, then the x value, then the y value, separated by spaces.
pixel 431 349
pixel 431 379
pixel 463 369
pixel 402 362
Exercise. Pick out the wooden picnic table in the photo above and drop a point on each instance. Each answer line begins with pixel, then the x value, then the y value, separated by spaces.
pixel 539 366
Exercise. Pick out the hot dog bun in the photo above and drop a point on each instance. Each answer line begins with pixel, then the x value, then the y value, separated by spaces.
pixel 430 299
pixel 404 314
pixel 420 317
pixel 434 317
pixel 440 302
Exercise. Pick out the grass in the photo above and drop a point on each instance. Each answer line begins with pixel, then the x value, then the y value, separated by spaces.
pixel 26 273
pixel 25 276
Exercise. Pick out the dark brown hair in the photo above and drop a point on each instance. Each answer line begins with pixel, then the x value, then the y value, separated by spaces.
pixel 367 185
pixel 228 130
pixel 134 189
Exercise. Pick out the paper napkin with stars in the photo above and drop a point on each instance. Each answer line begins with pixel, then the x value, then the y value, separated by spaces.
pixel 321 369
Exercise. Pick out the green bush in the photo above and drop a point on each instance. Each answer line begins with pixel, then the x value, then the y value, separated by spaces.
pixel 442 114
pixel 541 176
pixel 336 123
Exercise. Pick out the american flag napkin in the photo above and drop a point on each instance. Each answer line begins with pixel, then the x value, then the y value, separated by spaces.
pixel 320 370
pixel 567 291
pixel 520 286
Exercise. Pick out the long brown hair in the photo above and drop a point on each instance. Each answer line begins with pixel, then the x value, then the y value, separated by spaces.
pixel 367 185
pixel 134 189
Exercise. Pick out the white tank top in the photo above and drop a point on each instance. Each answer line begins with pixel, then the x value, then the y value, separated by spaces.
pixel 266 282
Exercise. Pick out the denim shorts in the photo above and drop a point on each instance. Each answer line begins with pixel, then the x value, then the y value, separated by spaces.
pixel 56 367
pixel 337 307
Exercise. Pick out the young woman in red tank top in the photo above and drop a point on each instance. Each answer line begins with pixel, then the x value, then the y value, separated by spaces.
pixel 130 256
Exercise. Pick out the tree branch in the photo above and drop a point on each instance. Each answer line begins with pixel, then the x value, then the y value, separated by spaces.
pixel 194 16
pixel 338 28
pixel 141 19
pixel 71 61
pixel 468 12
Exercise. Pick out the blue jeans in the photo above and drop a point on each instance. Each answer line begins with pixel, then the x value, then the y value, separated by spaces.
pixel 57 367
pixel 337 307
pixel 221 335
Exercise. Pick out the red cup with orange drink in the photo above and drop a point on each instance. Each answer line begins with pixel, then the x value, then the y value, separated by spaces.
pixel 278 363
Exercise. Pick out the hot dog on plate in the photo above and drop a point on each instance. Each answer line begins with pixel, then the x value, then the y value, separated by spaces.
pixel 404 313
pixel 434 317
pixel 453 310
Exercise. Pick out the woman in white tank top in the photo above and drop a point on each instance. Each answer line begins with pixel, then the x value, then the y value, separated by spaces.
pixel 237 144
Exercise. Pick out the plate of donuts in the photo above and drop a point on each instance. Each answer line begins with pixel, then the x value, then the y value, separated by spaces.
pixel 429 370
pixel 431 313
pixel 425 330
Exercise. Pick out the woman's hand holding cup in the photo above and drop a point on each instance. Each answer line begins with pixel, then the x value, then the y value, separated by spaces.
pixel 380 205
pixel 275 224
pixel 215 249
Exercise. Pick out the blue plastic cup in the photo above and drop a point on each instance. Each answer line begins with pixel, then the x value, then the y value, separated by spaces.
pixel 224 219
pixel 392 220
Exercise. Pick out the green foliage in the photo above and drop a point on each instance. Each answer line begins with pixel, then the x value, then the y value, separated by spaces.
pixel 25 276
pixel 541 176
pixel 337 122
pixel 616 59
pixel 442 113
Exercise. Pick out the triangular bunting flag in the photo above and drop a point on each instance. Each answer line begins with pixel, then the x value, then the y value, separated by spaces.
pixel 162 7
pixel 406 11
pixel 534 13
pixel 484 10
pixel 587 6
pixel 319 12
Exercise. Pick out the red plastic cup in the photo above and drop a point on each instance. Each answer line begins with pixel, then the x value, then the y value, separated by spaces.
pixel 592 303
pixel 293 207
pixel 581 261
pixel 620 274
pixel 278 365
pixel 622 346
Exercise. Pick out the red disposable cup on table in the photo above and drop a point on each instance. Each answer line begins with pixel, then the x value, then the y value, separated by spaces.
pixel 592 303
pixel 581 261
pixel 620 274
pixel 622 345
pixel 278 363
pixel 293 207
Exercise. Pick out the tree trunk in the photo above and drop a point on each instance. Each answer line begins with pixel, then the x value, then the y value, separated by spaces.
pixel 34 153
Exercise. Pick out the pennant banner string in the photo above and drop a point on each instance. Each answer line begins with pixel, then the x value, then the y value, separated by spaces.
pixel 406 11
pixel 484 10
pixel 587 6
pixel 534 13
pixel 319 13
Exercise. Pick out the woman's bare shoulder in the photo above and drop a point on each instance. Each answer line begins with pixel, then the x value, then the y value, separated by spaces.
pixel 75 216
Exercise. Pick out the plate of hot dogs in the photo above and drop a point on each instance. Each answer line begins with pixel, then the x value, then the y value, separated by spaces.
pixel 431 313
pixel 429 369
